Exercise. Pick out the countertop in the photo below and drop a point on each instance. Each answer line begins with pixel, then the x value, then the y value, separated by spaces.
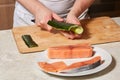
pixel 16 66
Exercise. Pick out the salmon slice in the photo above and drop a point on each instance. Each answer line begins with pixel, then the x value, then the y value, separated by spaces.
pixel 59 65
pixel 91 61
pixel 70 51
pixel 85 65
pixel 47 67
pixel 62 67
pixel 52 67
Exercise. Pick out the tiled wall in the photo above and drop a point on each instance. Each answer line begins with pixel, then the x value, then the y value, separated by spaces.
pixel 105 8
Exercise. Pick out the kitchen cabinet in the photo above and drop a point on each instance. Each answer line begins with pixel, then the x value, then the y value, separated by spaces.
pixel 6 14
pixel 105 8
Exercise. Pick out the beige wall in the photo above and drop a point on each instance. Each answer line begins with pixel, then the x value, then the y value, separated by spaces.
pixel 6 14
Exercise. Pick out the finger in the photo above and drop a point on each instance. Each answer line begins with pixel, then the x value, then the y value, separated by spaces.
pixel 73 21
pixel 70 35
pixel 56 17
pixel 76 22
pixel 45 25
pixel 49 28
pixel 37 22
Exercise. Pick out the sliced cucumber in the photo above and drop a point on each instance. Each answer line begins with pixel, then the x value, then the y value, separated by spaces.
pixel 29 41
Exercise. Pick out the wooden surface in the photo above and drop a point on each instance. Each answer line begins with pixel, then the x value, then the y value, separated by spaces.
pixel 96 31
pixel 6 14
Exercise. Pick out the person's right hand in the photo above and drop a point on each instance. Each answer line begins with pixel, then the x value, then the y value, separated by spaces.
pixel 73 20
pixel 43 16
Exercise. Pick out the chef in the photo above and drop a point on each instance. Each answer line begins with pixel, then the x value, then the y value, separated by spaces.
pixel 44 10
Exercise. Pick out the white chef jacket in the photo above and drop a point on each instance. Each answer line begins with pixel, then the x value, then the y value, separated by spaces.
pixel 23 17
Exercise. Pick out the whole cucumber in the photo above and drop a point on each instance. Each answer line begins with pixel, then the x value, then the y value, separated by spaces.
pixel 66 26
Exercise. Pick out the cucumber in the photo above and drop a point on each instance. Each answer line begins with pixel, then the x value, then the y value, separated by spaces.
pixel 29 41
pixel 66 26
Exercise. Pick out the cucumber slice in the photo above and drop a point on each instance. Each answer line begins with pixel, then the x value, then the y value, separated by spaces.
pixel 29 41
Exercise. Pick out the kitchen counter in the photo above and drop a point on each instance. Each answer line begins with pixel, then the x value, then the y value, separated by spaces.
pixel 16 66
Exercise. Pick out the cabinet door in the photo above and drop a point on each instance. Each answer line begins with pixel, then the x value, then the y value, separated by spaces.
pixel 6 14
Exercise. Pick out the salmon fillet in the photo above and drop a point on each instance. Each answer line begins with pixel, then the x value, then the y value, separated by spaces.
pixel 59 52
pixel 70 51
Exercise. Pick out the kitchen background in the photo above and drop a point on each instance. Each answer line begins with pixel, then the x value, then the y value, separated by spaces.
pixel 99 8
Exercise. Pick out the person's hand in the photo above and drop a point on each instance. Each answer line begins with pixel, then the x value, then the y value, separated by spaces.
pixel 43 16
pixel 74 20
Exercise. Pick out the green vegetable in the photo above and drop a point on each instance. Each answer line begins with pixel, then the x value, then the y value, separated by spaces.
pixel 66 26
pixel 29 41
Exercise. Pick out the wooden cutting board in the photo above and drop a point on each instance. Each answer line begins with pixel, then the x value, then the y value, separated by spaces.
pixel 96 31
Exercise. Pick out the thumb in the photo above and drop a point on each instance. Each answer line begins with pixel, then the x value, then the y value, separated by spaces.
pixel 56 17
pixel 73 21
pixel 76 22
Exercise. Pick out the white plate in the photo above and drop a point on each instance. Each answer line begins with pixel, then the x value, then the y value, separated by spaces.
pixel 105 56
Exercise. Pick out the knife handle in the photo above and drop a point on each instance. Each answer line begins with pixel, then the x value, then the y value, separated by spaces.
pixel 33 20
